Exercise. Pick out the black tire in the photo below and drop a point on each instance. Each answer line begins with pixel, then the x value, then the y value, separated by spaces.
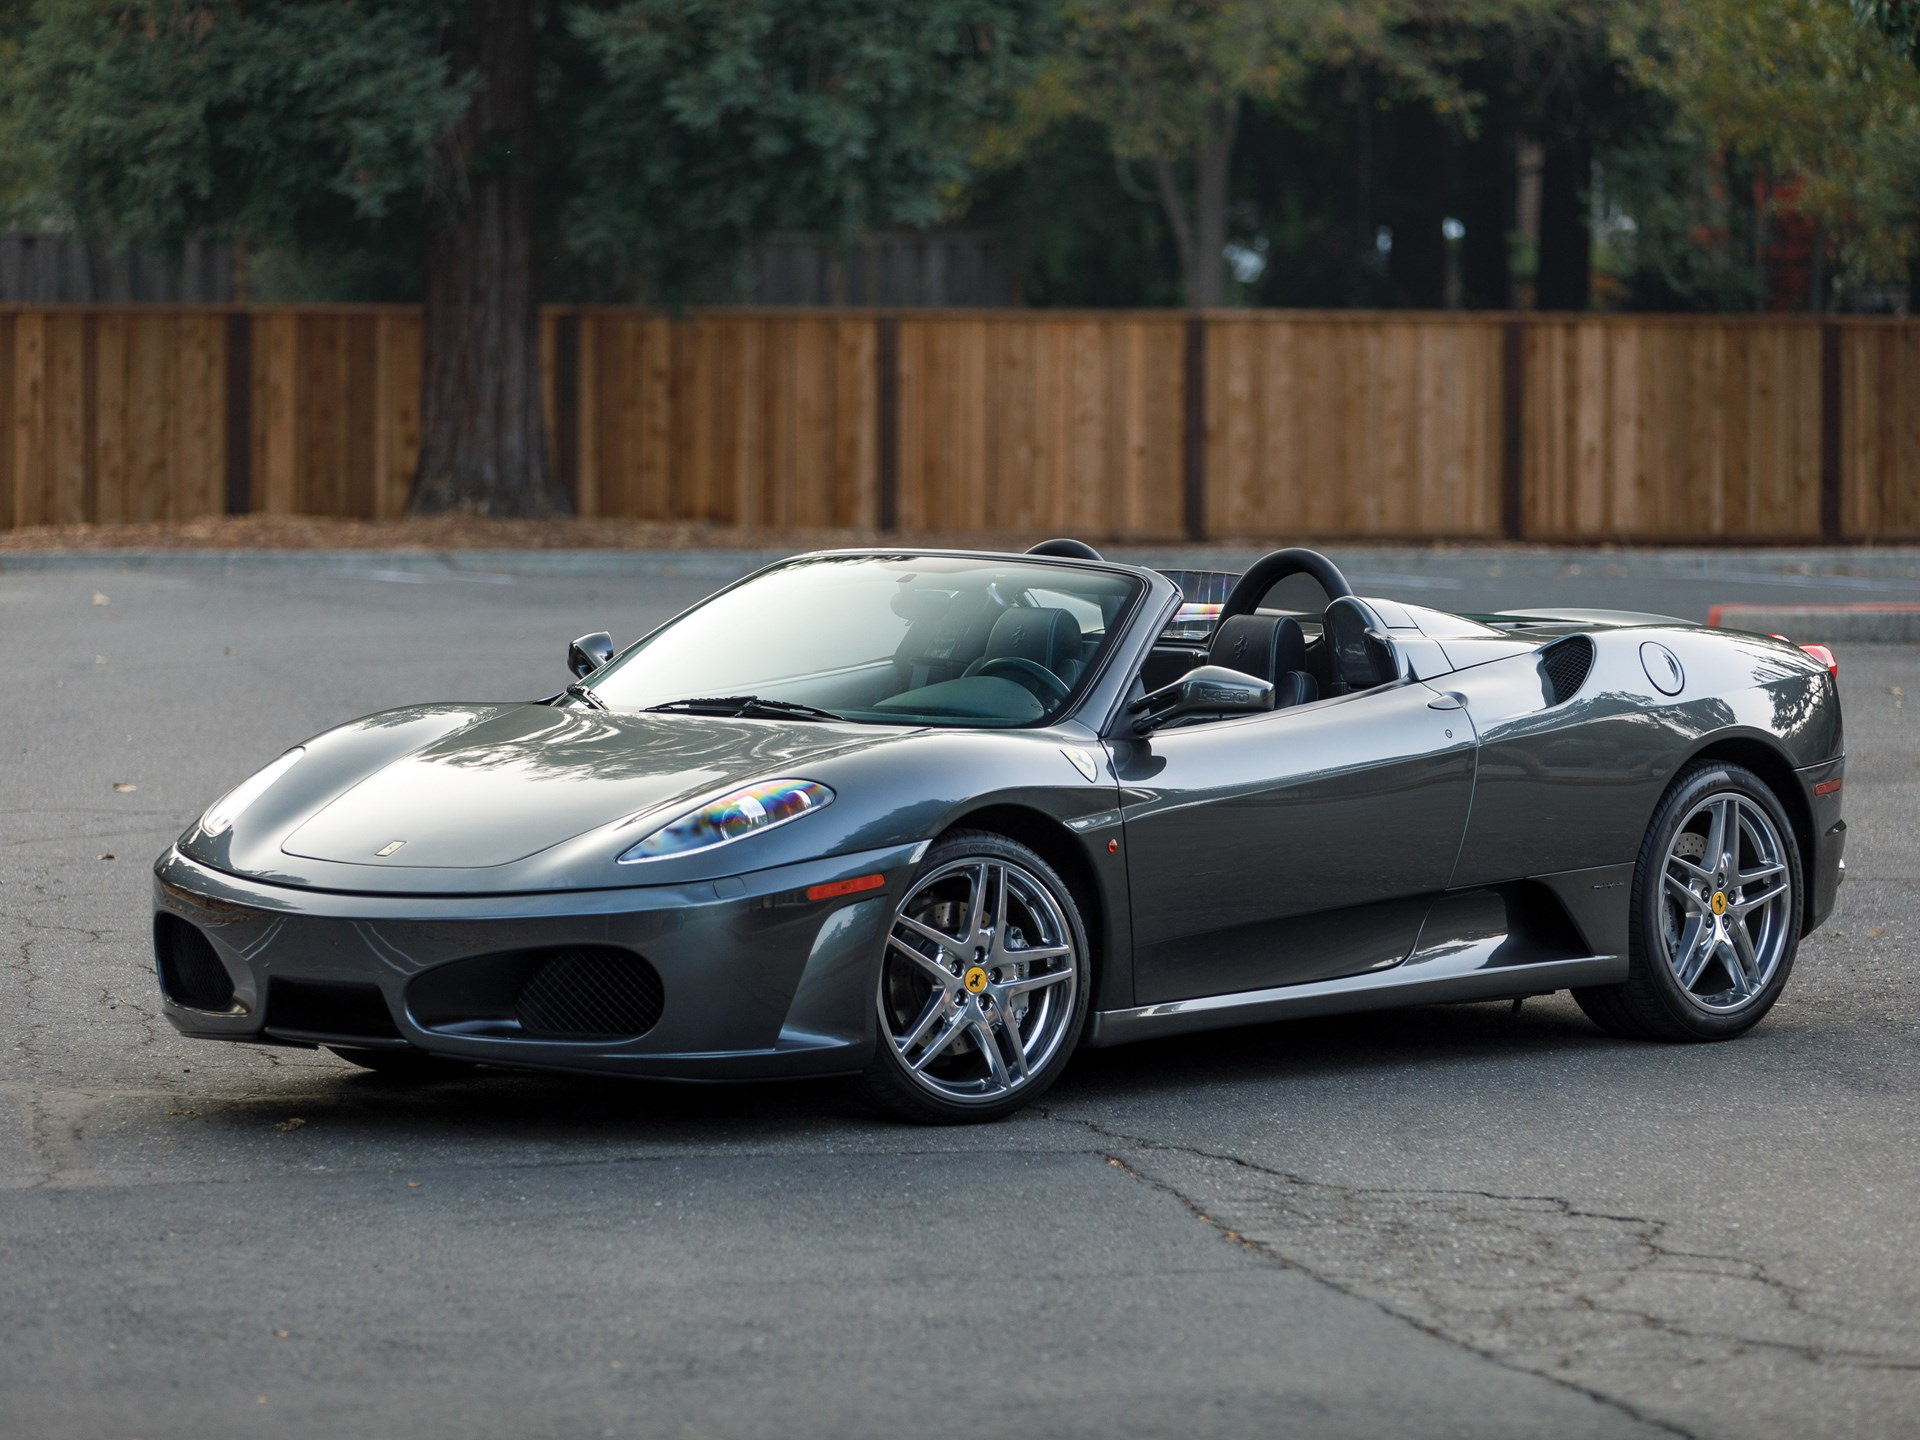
pixel 1652 1003
pixel 889 1084
pixel 405 1064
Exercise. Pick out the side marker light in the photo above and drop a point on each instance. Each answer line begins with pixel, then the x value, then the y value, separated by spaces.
pixel 854 886
pixel 1827 787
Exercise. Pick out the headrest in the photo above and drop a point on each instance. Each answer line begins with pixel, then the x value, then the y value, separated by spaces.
pixel 1263 646
pixel 946 629
pixel 1047 637
pixel 1359 662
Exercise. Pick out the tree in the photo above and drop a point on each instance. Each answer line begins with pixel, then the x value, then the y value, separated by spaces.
pixel 491 137
pixel 1800 87
pixel 1170 80
pixel 1898 20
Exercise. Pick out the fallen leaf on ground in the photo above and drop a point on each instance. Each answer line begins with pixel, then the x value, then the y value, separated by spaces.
pixel 413 1184
pixel 98 598
pixel 124 787
pixel 107 856
pixel 292 1122
pixel 1876 932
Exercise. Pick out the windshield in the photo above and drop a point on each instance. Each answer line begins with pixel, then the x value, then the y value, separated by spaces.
pixel 883 639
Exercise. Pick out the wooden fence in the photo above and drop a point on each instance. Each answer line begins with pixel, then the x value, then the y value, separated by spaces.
pixel 1148 425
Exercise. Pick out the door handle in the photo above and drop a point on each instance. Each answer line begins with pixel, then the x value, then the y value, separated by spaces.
pixel 1447 700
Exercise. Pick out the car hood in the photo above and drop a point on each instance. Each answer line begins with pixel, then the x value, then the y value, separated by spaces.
pixel 526 779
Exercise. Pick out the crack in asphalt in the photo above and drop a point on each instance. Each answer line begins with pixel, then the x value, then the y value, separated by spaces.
pixel 1266 1250
pixel 1423 1229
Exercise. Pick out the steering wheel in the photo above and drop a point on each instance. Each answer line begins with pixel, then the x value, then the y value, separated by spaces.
pixel 1025 671
pixel 1269 570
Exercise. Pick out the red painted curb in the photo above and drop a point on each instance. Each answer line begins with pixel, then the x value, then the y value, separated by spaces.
pixel 1864 607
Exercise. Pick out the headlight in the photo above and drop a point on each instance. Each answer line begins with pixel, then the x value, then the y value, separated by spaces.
pixel 224 811
pixel 746 811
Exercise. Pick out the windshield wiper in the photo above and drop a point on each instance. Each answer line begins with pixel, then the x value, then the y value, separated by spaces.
pixel 745 705
pixel 580 692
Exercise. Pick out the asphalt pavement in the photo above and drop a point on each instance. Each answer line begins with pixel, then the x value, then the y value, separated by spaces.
pixel 1443 1221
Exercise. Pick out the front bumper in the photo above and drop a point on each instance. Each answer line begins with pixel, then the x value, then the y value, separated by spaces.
pixel 758 980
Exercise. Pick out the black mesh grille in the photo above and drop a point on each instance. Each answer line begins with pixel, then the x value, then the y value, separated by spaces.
pixel 190 973
pixel 324 1007
pixel 1568 663
pixel 583 991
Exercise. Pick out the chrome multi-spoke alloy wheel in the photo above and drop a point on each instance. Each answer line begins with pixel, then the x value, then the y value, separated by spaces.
pixel 980 980
pixel 1726 902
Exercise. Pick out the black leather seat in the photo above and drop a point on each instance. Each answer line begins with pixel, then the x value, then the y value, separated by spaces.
pixel 1049 638
pixel 1267 647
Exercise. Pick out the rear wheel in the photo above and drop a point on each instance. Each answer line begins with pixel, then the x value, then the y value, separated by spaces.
pixel 983 986
pixel 1716 913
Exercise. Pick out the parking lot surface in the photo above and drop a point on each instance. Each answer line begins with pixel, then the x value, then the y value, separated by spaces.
pixel 1445 1221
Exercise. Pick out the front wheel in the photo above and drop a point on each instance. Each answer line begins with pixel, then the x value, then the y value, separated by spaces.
pixel 983 986
pixel 1716 913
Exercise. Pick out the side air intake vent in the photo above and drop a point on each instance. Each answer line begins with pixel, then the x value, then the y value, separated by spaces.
pixel 587 991
pixel 190 973
pixel 1567 663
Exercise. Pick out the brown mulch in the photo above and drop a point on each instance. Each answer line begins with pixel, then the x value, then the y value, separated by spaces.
pixel 448 532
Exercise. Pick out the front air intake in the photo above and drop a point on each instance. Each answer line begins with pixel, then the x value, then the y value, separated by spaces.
pixel 190 973
pixel 584 992
pixel 1566 665
pixel 329 1007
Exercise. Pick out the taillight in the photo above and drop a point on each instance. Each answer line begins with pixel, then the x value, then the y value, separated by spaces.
pixel 1825 657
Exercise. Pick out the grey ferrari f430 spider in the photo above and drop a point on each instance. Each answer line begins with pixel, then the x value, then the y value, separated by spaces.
pixel 936 819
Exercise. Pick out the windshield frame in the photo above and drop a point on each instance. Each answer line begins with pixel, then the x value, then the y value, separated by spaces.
pixel 1089 686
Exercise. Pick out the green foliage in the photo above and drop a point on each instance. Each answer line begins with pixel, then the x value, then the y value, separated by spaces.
pixel 1677 234
pixel 1898 20
pixel 1084 231
pixel 301 123
pixel 1155 74
pixel 1799 86
pixel 714 120
pixel 677 130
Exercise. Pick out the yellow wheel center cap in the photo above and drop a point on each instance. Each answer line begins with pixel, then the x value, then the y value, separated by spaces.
pixel 1719 902
pixel 975 980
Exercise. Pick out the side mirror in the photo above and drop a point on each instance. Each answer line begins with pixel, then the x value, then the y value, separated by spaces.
pixel 589 653
pixel 1208 690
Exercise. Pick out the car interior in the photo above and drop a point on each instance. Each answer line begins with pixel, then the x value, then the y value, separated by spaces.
pixel 1307 654
pixel 961 640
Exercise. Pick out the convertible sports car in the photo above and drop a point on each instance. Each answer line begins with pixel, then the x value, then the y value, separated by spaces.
pixel 937 818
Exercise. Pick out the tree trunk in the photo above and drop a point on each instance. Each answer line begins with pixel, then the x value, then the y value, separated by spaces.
pixel 483 448
pixel 1418 260
pixel 1487 209
pixel 1566 243
pixel 1200 228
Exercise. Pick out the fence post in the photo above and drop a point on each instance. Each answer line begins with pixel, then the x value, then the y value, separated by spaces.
pixel 240 412
pixel 6 421
pixel 886 363
pixel 1513 430
pixel 566 404
pixel 1194 436
pixel 1830 401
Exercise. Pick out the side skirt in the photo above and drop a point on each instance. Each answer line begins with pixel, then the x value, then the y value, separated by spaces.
pixel 1437 978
